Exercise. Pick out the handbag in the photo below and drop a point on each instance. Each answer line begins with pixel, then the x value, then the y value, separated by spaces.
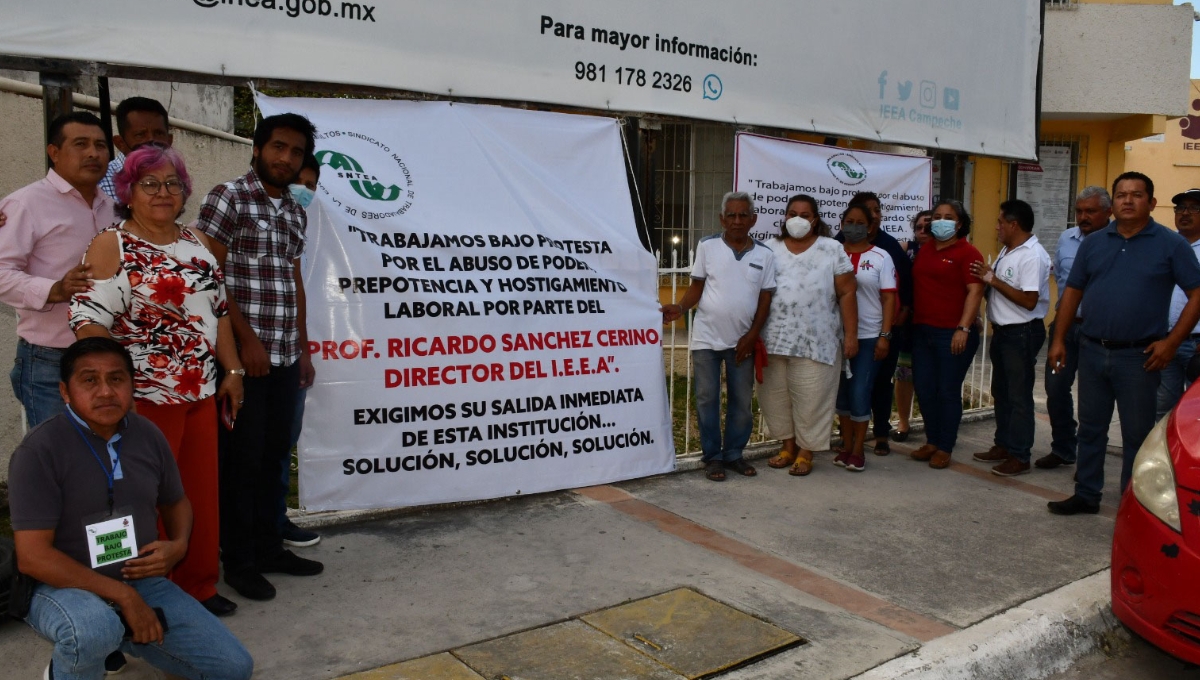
pixel 16 589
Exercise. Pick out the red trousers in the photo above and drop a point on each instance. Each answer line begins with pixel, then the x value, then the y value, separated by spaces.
pixel 191 431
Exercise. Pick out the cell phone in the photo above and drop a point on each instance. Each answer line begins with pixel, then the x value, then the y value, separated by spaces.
pixel 227 417
pixel 162 621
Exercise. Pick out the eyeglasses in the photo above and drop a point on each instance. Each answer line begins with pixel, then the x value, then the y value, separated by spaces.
pixel 153 186
pixel 737 216
pixel 1193 209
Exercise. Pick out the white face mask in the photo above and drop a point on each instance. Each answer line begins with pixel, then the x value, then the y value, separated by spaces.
pixel 798 227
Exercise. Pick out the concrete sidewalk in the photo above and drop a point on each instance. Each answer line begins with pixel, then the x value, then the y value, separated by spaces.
pixel 865 566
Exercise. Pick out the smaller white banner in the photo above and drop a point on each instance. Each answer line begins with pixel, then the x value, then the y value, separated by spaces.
pixel 773 170
pixel 1046 187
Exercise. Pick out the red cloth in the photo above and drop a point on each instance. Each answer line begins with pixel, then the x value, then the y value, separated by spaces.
pixel 191 432
pixel 940 279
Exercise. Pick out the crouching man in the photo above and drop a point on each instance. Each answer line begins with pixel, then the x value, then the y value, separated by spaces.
pixel 87 489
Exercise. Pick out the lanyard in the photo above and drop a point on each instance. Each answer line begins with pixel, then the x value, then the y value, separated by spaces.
pixel 109 477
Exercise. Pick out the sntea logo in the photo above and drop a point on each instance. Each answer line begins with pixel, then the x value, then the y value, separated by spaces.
pixel 846 169
pixel 363 183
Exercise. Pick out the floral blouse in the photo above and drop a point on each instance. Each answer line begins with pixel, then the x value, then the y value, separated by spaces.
pixel 163 305
pixel 805 319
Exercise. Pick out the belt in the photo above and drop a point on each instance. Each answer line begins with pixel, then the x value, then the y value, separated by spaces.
pixel 23 341
pixel 1016 325
pixel 1123 344
pixel 1194 336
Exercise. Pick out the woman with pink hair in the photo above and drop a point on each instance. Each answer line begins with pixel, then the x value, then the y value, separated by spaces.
pixel 159 291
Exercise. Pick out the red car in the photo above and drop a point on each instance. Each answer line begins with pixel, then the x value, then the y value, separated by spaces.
pixel 1156 543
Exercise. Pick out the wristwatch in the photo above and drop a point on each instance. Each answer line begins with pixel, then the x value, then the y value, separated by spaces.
pixel 886 336
pixel 238 371
pixel 964 329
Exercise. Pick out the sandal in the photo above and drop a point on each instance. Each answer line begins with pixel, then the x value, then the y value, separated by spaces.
pixel 802 466
pixel 741 467
pixel 714 471
pixel 882 448
pixel 784 459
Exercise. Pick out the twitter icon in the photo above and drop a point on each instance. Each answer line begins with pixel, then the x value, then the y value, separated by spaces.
pixel 905 90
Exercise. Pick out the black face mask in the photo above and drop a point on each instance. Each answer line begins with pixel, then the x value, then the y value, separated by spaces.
pixel 855 233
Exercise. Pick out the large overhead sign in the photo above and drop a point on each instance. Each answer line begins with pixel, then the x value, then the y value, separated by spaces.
pixel 946 74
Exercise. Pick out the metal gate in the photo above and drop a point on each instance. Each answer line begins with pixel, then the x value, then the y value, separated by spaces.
pixel 691 169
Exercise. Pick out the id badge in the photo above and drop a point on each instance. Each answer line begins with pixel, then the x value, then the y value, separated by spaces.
pixel 111 538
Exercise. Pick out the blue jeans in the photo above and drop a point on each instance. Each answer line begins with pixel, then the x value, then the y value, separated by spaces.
pixel 1064 441
pixel 739 386
pixel 35 377
pixel 1108 376
pixel 1014 353
pixel 855 394
pixel 85 629
pixel 938 376
pixel 1174 378
pixel 885 380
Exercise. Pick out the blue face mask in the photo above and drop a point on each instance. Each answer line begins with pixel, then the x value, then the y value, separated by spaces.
pixel 943 230
pixel 303 195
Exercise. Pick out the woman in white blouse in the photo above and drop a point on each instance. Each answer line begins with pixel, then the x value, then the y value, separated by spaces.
pixel 812 327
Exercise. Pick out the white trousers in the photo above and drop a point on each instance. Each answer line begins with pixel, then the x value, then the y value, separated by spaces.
pixel 797 397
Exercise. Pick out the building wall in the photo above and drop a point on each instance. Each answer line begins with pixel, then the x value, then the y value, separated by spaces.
pixel 1111 60
pixel 210 162
pixel 210 105
pixel 1171 159
pixel 1103 144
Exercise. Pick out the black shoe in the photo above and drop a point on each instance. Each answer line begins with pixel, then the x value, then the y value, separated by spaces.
pixel 1050 461
pixel 219 606
pixel 113 663
pixel 900 435
pixel 1073 506
pixel 297 537
pixel 250 584
pixel 286 562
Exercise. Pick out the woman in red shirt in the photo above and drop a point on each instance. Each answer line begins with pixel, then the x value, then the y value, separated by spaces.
pixel 946 297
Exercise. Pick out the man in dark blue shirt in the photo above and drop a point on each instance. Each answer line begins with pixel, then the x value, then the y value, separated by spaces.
pixel 881 394
pixel 1123 275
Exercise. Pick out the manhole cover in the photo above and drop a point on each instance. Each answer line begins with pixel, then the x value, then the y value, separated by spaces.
pixel 563 651
pixel 691 634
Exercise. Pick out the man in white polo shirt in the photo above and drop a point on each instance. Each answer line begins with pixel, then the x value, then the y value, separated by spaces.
pixel 1018 297
pixel 733 278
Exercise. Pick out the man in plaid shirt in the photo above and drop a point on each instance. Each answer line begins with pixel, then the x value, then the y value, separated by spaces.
pixel 259 233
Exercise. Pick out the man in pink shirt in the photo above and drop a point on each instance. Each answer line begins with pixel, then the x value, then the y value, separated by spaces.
pixel 49 226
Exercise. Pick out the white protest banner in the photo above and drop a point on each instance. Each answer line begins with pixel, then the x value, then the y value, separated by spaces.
pixel 777 63
pixel 773 170
pixel 481 313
